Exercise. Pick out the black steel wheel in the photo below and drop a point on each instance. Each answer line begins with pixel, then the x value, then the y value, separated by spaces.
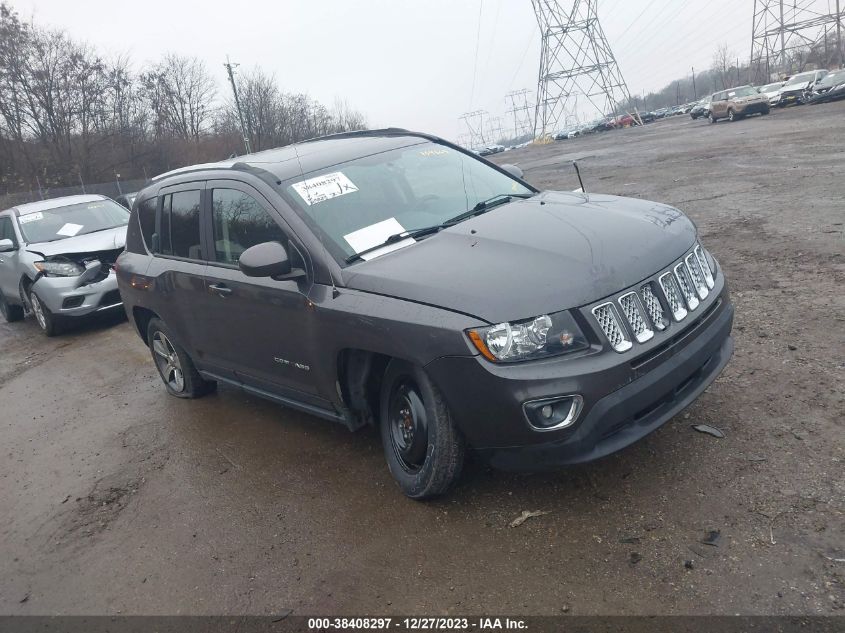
pixel 423 447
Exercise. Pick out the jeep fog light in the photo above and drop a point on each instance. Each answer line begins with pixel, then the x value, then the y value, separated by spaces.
pixel 552 414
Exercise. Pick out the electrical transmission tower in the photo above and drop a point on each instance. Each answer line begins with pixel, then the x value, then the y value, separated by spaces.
pixel 475 127
pixel 575 58
pixel 494 129
pixel 786 34
pixel 521 111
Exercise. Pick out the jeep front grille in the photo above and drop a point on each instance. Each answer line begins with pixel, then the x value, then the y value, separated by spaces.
pixel 673 296
pixel 609 323
pixel 634 312
pixel 638 314
pixel 685 283
pixel 705 267
pixel 653 307
pixel 697 276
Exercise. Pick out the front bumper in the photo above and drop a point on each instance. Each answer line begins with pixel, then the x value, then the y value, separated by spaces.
pixel 756 108
pixel 63 298
pixel 787 98
pixel 626 396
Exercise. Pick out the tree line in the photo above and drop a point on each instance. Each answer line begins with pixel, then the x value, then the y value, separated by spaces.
pixel 70 115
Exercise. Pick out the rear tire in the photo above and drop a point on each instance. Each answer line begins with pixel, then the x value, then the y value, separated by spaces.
pixel 177 370
pixel 47 321
pixel 713 119
pixel 423 447
pixel 10 312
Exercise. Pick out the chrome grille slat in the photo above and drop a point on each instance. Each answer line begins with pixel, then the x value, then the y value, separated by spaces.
pixel 705 267
pixel 673 296
pixel 653 307
pixel 685 283
pixel 697 276
pixel 635 313
pixel 609 323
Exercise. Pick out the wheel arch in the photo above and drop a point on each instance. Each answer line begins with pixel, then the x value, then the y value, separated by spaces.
pixel 359 375
pixel 142 317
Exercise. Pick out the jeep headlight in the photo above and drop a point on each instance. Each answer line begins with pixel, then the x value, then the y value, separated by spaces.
pixel 539 337
pixel 58 268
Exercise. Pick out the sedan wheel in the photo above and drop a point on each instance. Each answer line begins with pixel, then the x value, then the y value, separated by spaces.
pixel 46 320
pixel 169 365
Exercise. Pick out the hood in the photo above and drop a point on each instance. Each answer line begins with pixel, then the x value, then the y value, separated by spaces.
pixel 107 240
pixel 529 257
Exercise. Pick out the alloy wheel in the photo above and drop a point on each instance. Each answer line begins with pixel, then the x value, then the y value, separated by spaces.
pixel 38 309
pixel 408 426
pixel 168 363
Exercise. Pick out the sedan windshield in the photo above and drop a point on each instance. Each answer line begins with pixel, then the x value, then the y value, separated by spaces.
pixel 833 79
pixel 800 79
pixel 770 87
pixel 357 205
pixel 61 223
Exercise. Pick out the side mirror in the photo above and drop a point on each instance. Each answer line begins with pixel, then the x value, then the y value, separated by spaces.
pixel 269 259
pixel 513 170
pixel 7 246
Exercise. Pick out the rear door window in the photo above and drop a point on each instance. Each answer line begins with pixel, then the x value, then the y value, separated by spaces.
pixel 180 224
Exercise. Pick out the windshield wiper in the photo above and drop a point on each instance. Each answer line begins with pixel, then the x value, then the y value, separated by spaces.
pixel 486 205
pixel 481 207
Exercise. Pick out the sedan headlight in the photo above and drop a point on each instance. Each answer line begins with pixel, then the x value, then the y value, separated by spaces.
pixel 59 268
pixel 542 336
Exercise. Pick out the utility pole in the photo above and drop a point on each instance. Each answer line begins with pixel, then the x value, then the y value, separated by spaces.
pixel 231 73
pixel 694 91
pixel 782 39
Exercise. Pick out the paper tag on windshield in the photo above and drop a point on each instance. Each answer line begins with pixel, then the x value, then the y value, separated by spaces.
pixel 31 217
pixel 375 234
pixel 69 229
pixel 325 187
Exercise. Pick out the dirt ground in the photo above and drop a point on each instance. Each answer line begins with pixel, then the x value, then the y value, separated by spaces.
pixel 115 498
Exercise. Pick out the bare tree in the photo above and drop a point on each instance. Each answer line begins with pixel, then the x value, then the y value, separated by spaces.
pixel 181 96
pixel 722 69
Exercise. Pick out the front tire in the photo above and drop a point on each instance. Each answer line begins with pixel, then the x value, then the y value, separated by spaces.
pixel 10 312
pixel 177 370
pixel 47 321
pixel 732 115
pixel 423 447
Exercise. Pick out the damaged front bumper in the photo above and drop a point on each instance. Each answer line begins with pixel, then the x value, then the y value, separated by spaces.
pixel 78 296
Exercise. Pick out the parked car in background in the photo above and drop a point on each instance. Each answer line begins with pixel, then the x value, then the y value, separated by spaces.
pixel 700 109
pixel 57 259
pixel 491 149
pixel 831 88
pixel 794 90
pixel 661 112
pixel 737 103
pixel 772 91
pixel 126 199
pixel 390 278
pixel 647 117
pixel 625 120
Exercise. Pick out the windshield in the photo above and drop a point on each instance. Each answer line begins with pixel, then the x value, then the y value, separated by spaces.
pixel 800 79
pixel 76 219
pixel 770 87
pixel 833 78
pixel 746 91
pixel 358 204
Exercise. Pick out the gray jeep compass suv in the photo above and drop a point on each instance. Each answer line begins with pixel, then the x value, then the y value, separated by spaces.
pixel 392 278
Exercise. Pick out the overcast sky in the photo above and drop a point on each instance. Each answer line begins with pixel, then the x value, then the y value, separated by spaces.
pixel 406 63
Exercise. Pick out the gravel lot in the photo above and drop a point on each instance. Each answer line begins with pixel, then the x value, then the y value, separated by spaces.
pixel 115 498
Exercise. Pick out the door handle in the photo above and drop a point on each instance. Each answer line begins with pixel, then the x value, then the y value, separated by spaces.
pixel 221 289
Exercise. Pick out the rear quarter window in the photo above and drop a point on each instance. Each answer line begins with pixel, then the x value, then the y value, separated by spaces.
pixel 147 220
